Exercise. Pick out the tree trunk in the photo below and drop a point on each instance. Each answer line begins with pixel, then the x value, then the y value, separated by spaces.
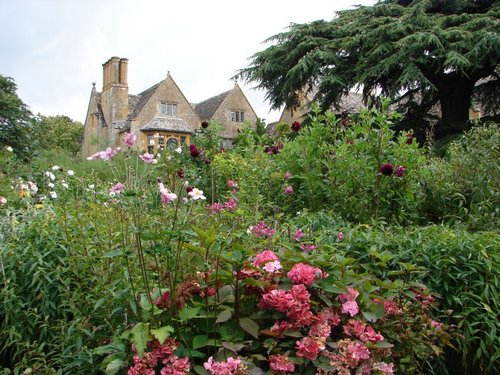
pixel 455 97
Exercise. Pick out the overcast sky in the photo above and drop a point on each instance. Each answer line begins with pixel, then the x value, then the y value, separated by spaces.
pixel 54 49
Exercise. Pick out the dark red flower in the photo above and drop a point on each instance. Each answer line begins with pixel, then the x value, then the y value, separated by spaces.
pixel 345 119
pixel 409 139
pixel 296 126
pixel 206 160
pixel 400 171
pixel 189 189
pixel 180 173
pixel 386 169
pixel 204 124
pixel 193 150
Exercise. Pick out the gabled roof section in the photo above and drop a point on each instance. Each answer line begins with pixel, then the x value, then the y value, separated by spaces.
pixel 207 108
pixel 143 99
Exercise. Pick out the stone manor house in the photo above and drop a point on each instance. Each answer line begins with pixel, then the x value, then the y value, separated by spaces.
pixel 160 116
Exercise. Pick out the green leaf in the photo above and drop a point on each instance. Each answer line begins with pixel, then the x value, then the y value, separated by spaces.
pixel 188 313
pixel 114 366
pixel 99 303
pixel 224 316
pixel 162 333
pixel 113 253
pixel 370 317
pixel 250 326
pixel 140 337
pixel 200 341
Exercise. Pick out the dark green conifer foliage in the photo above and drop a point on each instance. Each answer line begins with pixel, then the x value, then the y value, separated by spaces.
pixel 418 53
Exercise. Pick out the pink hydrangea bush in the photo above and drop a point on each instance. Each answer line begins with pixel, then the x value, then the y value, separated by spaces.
pixel 161 358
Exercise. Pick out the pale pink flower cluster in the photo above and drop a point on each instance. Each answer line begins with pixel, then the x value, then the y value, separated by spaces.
pixel 3 201
pixel 264 257
pixel 340 236
pixel 296 303
pixel 297 236
pixel 148 158
pixel 105 155
pixel 117 188
pixel 230 205
pixel 130 139
pixel 307 248
pixel 349 304
pixel 261 229
pixel 303 274
pixel 281 364
pixel 360 330
pixel 166 195
pixel 228 367
pixel 161 354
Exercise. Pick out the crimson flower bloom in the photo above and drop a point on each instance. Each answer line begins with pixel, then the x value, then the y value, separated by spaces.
pixel 296 126
pixel 386 169
pixel 193 150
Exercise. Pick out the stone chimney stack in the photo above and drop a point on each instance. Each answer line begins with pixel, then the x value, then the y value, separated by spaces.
pixel 114 72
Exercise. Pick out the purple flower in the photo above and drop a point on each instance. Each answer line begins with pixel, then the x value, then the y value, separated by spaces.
pixel 386 169
pixel 147 158
pixel 400 171
pixel 340 236
pixel 287 176
pixel 288 190
pixel 193 150
pixel 117 188
pixel 130 139
pixel 296 126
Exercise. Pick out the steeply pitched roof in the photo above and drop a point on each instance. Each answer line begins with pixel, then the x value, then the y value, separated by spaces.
pixel 207 108
pixel 168 124
pixel 143 99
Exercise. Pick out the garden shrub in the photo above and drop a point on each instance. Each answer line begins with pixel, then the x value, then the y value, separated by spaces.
pixel 465 185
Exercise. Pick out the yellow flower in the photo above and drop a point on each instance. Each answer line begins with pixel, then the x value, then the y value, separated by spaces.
pixel 24 193
pixel 39 205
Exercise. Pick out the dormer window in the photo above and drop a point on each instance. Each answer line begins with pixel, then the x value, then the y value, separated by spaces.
pixel 168 109
pixel 237 116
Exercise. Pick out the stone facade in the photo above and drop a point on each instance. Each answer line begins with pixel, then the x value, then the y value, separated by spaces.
pixel 231 109
pixel 160 116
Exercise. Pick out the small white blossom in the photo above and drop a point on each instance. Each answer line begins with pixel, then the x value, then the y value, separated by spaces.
pixel 50 175
pixel 8 148
pixel 112 194
pixel 196 194
pixel 55 168
pixel 65 185
pixel 3 201
pixel 71 172
pixel 91 186
pixel 178 150
pixel 51 185
pixel 53 194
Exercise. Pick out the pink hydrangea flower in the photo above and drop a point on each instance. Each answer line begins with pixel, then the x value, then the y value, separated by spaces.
pixel 349 304
pixel 222 368
pixel 130 139
pixel 272 266
pixel 147 158
pixel 385 368
pixel 354 328
pixel 277 299
pixel 303 274
pixel 264 257
pixel 309 348
pixel 281 363
pixel 371 336
pixel 232 184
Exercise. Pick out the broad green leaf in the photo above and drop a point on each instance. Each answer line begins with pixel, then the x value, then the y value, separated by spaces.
pixel 250 326
pixel 162 333
pixel 113 253
pixel 188 313
pixel 114 366
pixel 200 341
pixel 223 316
pixel 140 337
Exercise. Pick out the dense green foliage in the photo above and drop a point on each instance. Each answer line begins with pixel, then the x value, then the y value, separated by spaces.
pixel 58 133
pixel 417 53
pixel 16 123
pixel 96 267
